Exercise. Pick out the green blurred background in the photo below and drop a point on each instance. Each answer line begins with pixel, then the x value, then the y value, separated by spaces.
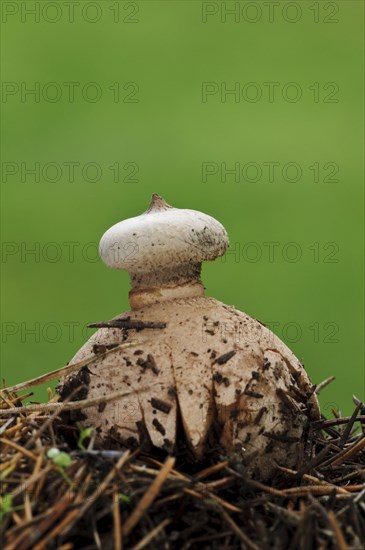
pixel 159 132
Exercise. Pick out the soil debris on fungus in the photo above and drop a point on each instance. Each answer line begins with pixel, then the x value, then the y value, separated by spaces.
pixel 160 405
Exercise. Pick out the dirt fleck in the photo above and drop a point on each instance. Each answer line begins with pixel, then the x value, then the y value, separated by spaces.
pixel 217 377
pixel 132 442
pixel 102 348
pixel 172 391
pixel 277 372
pixel 101 406
pixel 159 427
pixel 144 437
pixel 255 394
pixel 161 405
pixel 282 437
pixel 148 363
pixel 222 359
pixel 259 415
pixel 287 403
pixel 74 381
pixel 247 438
pixel 242 424
pixel 168 445
pixel 297 394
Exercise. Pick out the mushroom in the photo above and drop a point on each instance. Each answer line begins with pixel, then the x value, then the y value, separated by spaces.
pixel 199 363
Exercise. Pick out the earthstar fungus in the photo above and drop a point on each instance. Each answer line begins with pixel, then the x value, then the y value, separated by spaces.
pixel 199 362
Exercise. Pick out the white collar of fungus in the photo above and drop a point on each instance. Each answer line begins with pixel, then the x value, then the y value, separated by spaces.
pixel 162 249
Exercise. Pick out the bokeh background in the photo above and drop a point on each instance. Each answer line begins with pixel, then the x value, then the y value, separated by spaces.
pixel 149 113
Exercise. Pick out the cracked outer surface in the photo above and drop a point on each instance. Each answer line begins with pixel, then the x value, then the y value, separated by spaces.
pixel 211 365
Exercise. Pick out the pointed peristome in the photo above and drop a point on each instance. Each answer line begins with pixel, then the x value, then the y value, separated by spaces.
pixel 157 204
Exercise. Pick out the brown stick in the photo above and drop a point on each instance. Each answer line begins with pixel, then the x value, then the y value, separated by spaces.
pixel 116 520
pixel 149 496
pixel 68 369
pixel 72 405
pixel 342 544
pixel 347 453
pixel 127 324
pixel 241 535
pixel 151 535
